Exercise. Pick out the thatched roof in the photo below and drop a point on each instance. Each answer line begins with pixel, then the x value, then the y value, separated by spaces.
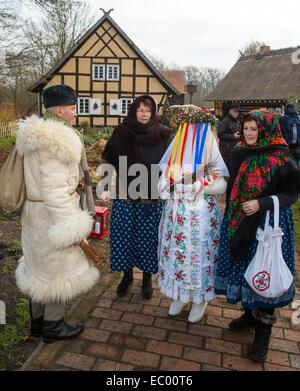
pixel 269 76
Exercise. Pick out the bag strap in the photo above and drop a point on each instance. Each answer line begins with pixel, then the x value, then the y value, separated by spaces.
pixel 276 211
pixel 267 220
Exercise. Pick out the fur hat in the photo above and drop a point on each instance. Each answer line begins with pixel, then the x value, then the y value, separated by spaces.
pixel 234 105
pixel 60 95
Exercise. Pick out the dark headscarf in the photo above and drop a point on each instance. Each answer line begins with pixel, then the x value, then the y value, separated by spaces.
pixel 131 137
pixel 254 169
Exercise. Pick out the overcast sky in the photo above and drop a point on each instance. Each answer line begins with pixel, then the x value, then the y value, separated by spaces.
pixel 204 33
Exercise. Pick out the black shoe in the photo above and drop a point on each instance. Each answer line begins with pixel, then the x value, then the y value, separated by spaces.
pixel 147 290
pixel 59 330
pixel 36 327
pixel 125 282
pixel 259 350
pixel 243 322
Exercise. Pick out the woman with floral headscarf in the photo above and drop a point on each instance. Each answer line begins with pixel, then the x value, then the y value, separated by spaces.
pixel 261 166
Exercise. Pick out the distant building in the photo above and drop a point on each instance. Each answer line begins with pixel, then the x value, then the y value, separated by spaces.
pixel 107 71
pixel 266 79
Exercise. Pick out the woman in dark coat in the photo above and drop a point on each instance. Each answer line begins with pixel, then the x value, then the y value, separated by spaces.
pixel 134 222
pixel 259 168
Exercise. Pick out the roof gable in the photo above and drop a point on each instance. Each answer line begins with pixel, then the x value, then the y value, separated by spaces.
pixel 79 47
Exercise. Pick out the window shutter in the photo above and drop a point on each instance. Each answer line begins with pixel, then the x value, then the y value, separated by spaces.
pixel 95 106
pixel 115 106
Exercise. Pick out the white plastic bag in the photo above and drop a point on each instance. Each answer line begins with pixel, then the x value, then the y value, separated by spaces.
pixel 267 273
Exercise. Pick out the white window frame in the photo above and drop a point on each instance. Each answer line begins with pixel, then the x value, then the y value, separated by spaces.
pixel 83 102
pixel 113 72
pixel 87 104
pixel 96 69
pixel 127 102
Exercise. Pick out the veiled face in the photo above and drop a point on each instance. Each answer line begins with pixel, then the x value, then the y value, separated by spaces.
pixel 143 114
pixel 250 132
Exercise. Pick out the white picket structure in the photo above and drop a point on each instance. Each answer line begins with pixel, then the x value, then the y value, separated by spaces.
pixel 8 129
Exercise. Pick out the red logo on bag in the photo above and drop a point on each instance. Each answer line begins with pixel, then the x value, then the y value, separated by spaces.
pixel 261 281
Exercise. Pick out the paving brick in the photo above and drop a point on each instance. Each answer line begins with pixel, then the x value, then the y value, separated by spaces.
pixel 218 322
pixel 165 303
pixel 205 331
pixel 243 337
pixel 129 307
pixel 276 368
pixel 93 323
pixel 130 317
pixel 202 356
pixel 285 313
pixel 277 332
pixel 170 324
pixel 104 313
pixel 284 323
pixel 175 364
pixel 292 335
pixel 186 339
pixel 154 301
pixel 211 368
pixel 105 303
pixel 104 365
pixel 149 332
pixel 77 346
pixel 283 345
pixel 110 295
pixel 128 341
pixel 223 347
pixel 231 314
pixel 213 311
pixel 295 360
pixel 102 350
pixel 137 276
pixel 49 352
pixel 279 358
pixel 76 361
pixel 155 311
pixel 240 363
pixel 125 298
pixel 164 348
pixel 112 325
pixel 140 358
pixel 95 335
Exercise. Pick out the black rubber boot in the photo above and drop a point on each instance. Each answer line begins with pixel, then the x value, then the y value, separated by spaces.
pixel 125 282
pixel 263 331
pixel 59 330
pixel 147 290
pixel 245 321
pixel 36 327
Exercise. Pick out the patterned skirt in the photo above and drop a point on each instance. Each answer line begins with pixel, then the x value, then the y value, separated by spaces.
pixel 188 250
pixel 230 279
pixel 134 236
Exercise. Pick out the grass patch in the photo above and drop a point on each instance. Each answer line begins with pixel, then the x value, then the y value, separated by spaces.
pixel 8 142
pixel 14 247
pixel 12 334
pixel 296 217
pixel 9 269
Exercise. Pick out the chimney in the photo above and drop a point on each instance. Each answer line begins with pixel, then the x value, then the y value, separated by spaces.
pixel 264 49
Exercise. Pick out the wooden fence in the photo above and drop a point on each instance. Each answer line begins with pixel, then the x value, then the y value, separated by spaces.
pixel 7 129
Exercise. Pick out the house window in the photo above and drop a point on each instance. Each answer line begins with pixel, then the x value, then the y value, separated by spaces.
pixel 126 102
pixel 98 72
pixel 113 72
pixel 83 105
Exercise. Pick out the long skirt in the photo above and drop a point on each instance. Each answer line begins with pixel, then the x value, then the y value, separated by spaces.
pixel 188 249
pixel 230 279
pixel 134 236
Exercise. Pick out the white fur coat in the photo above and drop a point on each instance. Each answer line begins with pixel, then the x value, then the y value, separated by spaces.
pixel 53 267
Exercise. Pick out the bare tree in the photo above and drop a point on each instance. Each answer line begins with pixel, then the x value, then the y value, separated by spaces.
pixel 252 48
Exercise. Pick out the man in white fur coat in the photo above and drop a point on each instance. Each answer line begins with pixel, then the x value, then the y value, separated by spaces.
pixel 53 269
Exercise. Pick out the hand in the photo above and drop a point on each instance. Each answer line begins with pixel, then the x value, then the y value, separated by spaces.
pixel 250 207
pixel 237 135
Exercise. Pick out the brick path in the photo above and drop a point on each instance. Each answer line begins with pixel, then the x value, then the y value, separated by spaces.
pixel 130 333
